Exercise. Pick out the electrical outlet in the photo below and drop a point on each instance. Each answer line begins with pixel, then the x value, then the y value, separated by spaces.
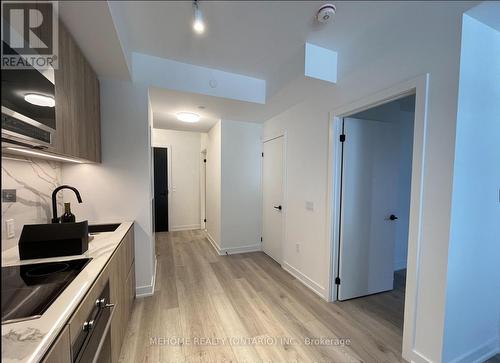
pixel 9 195
pixel 297 247
pixel 11 228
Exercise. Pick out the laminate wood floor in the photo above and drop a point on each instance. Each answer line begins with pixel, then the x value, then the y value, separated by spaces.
pixel 245 308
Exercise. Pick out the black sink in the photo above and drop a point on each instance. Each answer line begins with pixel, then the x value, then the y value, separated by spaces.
pixel 99 228
pixel 52 240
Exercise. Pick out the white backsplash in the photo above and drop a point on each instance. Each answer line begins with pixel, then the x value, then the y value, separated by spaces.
pixel 34 181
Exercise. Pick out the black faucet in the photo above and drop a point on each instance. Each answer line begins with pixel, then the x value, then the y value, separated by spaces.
pixel 55 218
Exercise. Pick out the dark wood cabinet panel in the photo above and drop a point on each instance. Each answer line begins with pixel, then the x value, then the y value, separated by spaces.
pixel 119 272
pixel 77 102
pixel 122 282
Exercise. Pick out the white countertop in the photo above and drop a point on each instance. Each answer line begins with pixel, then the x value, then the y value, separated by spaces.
pixel 29 340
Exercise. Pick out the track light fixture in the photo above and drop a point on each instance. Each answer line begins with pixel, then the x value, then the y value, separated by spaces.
pixel 198 24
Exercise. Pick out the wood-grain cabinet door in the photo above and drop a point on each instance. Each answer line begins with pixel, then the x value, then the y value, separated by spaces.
pixel 122 281
pixel 60 352
pixel 78 118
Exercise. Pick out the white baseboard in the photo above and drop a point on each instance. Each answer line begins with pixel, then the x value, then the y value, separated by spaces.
pixel 241 249
pixel 480 353
pixel 144 291
pixel 418 358
pixel 315 287
pixel 148 290
pixel 214 244
pixel 233 250
pixel 186 227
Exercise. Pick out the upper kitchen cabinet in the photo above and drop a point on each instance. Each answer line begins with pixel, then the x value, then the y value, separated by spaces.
pixel 78 118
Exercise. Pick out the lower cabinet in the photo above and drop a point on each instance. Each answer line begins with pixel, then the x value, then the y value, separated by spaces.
pixel 61 349
pixel 118 277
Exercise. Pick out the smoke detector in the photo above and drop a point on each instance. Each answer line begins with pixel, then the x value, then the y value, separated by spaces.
pixel 326 13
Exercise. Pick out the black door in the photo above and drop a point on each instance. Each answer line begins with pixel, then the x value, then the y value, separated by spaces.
pixel 161 189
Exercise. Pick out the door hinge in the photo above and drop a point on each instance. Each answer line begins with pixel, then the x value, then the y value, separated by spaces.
pixel 261 239
pixel 262 154
pixel 337 281
pixel 205 220
pixel 342 138
pixel 204 160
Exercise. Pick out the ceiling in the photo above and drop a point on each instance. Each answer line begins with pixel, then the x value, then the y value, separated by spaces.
pixel 488 12
pixel 98 42
pixel 253 38
pixel 166 104
pixel 247 37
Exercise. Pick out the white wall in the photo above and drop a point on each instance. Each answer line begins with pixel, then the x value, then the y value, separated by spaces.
pixel 404 188
pixel 382 58
pixel 204 141
pixel 240 203
pixel 151 166
pixel 170 74
pixel 473 291
pixel 214 184
pixel 233 186
pixel 184 148
pixel 306 177
pixel 120 188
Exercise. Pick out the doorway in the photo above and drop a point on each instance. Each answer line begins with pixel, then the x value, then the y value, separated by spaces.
pixel 273 206
pixel 375 198
pixel 418 87
pixel 368 211
pixel 160 163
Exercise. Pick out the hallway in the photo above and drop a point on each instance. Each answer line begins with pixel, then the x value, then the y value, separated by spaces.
pixel 245 308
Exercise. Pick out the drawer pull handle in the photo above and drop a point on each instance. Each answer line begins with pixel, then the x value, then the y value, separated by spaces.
pixel 88 325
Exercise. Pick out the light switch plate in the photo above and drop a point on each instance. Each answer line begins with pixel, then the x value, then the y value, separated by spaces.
pixel 11 228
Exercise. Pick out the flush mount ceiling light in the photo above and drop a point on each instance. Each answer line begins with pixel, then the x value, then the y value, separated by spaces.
pixel 188 117
pixel 198 24
pixel 39 100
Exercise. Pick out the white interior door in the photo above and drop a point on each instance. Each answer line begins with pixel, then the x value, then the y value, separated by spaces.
pixel 369 184
pixel 272 198
pixel 203 189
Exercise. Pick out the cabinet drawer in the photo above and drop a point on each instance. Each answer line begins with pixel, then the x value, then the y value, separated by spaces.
pixel 88 304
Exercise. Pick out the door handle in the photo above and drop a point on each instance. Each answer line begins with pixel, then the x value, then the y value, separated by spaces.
pixel 392 217
pixel 278 207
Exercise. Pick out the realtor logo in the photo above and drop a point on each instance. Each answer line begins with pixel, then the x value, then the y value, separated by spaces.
pixel 29 34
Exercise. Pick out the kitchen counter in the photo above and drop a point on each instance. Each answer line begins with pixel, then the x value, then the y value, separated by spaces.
pixel 29 340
